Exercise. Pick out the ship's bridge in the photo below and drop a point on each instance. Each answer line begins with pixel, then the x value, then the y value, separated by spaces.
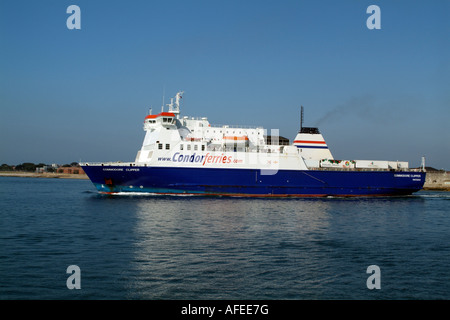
pixel 165 119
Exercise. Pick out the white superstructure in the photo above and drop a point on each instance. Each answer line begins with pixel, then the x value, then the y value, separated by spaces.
pixel 175 140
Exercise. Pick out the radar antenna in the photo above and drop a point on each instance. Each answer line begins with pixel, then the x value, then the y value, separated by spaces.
pixel 175 107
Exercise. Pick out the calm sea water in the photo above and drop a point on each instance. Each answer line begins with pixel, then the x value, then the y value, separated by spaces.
pixel 172 247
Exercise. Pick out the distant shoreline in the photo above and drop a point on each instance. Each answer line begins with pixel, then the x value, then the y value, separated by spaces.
pixel 43 175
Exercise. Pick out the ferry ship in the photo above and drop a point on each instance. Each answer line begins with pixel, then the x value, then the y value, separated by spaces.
pixel 187 155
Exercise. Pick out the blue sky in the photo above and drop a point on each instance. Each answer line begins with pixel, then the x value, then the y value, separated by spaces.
pixel 71 95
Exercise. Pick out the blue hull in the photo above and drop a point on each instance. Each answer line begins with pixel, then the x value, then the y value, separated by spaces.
pixel 250 182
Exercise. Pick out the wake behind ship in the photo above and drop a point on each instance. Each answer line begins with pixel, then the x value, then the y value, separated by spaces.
pixel 186 155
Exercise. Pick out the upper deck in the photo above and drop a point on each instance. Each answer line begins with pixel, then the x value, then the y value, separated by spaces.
pixel 170 135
